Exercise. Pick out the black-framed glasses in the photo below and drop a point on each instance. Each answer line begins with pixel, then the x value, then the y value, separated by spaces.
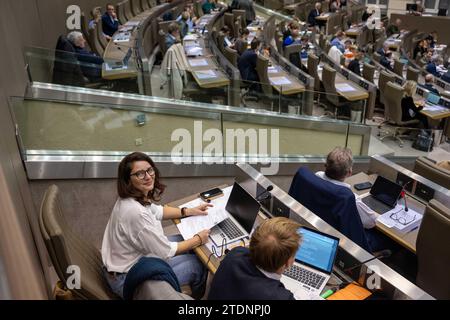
pixel 403 219
pixel 141 173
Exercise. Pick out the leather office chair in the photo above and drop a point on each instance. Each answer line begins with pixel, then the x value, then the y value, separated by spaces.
pixel 85 29
pixel 236 29
pixel 328 80
pixel 228 20
pixel 96 46
pixel 162 41
pixel 100 36
pixel 135 7
pixel 240 14
pixel 66 68
pixel 66 248
pixel 428 169
pixel 198 9
pixel 393 111
pixel 398 67
pixel 292 53
pixel 145 5
pixel 412 74
pixel 127 10
pixel 313 63
pixel 433 252
pixel 376 57
pixel 262 63
pixel 279 43
pixel 220 40
pixel 153 3
pixel 384 78
pixel 231 55
pixel 120 9
pixel 368 72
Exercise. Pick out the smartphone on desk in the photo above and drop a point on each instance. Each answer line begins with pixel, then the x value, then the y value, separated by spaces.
pixel 211 194
pixel 363 186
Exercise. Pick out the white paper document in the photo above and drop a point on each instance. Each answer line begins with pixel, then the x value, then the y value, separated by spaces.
pixel 434 108
pixel 205 74
pixel 198 62
pixel 279 81
pixel 401 220
pixel 190 37
pixel 132 23
pixel 194 51
pixel 216 214
pixel 344 87
pixel 272 69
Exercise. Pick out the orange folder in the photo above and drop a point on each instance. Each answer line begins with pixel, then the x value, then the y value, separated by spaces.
pixel 350 292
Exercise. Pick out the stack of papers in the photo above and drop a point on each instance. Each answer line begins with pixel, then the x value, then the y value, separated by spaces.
pixel 194 51
pixel 434 108
pixel 344 87
pixel 272 69
pixel 198 62
pixel 205 74
pixel 279 81
pixel 190 37
pixel 401 220
pixel 216 214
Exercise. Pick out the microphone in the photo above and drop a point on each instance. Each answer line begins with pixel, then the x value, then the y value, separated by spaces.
pixel 268 189
pixel 403 194
pixel 382 254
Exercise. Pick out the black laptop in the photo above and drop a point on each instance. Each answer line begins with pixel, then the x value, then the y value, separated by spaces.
pixel 383 195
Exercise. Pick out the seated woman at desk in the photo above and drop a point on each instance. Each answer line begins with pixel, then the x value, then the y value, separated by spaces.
pixel 409 109
pixel 134 230
pixel 208 6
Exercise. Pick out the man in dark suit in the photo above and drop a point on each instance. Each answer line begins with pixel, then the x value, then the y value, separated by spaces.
pixel 429 79
pixel 386 61
pixel 313 14
pixel 247 62
pixel 247 5
pixel 90 63
pixel 255 273
pixel 382 51
pixel 110 23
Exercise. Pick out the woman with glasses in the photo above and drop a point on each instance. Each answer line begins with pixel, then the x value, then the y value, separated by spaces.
pixel 134 229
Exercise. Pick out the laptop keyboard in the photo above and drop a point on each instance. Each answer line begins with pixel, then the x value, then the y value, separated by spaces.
pixel 304 276
pixel 375 204
pixel 230 229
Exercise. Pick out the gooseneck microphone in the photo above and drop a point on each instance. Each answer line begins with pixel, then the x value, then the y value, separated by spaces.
pixel 382 254
pixel 267 192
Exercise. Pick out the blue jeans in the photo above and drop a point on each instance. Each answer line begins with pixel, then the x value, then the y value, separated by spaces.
pixel 187 267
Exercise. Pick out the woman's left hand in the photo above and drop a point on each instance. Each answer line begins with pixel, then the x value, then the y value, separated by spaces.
pixel 199 210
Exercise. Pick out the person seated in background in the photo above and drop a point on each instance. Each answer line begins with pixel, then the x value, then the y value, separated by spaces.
pixel 254 273
pixel 446 76
pixel 431 66
pixel 394 28
pixel 110 24
pixel 387 61
pixel 183 23
pixel 421 47
pixel 96 19
pixel 431 39
pixel 241 44
pixel 226 39
pixel 409 109
pixel 338 167
pixel 191 18
pixel 429 80
pixel 90 63
pixel 335 5
pixel 354 65
pixel 382 51
pixel 173 35
pixel 293 25
pixel 337 41
pixel 294 35
pixel 168 15
pixel 208 6
pixel 418 9
pixel 304 41
pixel 247 5
pixel 247 62
pixel 312 21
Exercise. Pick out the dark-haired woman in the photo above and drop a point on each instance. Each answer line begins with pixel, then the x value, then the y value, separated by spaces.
pixel 134 229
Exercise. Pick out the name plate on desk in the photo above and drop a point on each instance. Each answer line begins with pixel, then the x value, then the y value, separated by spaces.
pixel 440 83
pixel 364 84
pixel 345 73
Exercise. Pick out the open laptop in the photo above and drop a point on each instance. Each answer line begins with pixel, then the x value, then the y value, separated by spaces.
pixel 313 264
pixel 383 195
pixel 242 211
pixel 433 98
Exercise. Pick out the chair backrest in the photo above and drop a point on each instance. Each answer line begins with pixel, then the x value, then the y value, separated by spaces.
pixel 66 68
pixel 85 29
pixel 428 169
pixel 94 10
pixel 262 63
pixel 68 249
pixel 231 55
pixel 153 3
pixel 240 14
pixel 145 5
pixel 220 40
pixel 136 7
pixel 393 102
pixel 328 80
pixel 368 72
pixel 334 204
pixel 279 43
pixel 433 251
pixel 292 53
pixel 342 60
pixel 236 29
pixel 398 67
pixel 313 63
pixel 127 10
pixel 162 41
pixel 96 46
pixel 384 78
pixel 198 9
pixel 376 57
pixel 120 9
pixel 412 74
pixel 100 36
pixel 228 20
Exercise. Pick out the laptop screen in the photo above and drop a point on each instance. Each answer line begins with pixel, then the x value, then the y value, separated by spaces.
pixel 433 98
pixel 386 191
pixel 243 207
pixel 317 250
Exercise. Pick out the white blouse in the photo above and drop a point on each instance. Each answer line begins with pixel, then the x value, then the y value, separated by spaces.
pixel 134 231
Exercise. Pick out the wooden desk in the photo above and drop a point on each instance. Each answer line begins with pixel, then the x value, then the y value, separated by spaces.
pixel 356 94
pixel 437 114
pixel 354 31
pixel 407 240
pixel 324 17
pixel 276 73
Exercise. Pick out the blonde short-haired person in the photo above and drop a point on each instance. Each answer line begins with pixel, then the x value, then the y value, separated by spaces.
pixel 338 167
pixel 254 273
pixel 409 109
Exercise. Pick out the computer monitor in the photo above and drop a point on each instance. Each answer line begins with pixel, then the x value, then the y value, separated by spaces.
pixel 317 250
pixel 243 207
pixel 442 12
pixel 386 191
pixel 433 98
pixel 411 7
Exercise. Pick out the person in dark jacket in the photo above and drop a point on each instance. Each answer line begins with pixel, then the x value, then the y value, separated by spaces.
pixel 110 23
pixel 354 65
pixel 241 43
pixel 313 14
pixel 90 63
pixel 429 79
pixel 409 109
pixel 250 13
pixel 386 61
pixel 247 62
pixel 255 273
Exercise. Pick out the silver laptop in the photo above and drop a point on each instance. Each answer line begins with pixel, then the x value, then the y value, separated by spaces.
pixel 242 210
pixel 313 264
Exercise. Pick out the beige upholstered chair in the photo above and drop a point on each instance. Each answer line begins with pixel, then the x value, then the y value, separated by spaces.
pixel 412 74
pixel 368 72
pixel 430 170
pixel 398 67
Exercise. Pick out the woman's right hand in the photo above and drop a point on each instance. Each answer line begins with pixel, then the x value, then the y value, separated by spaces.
pixel 204 234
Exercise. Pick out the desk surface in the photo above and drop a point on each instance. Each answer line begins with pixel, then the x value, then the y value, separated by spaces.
pixel 407 240
pixel 347 88
pixel 439 112
pixel 282 81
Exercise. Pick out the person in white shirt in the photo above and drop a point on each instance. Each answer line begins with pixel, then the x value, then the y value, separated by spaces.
pixel 335 54
pixel 134 229
pixel 338 167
